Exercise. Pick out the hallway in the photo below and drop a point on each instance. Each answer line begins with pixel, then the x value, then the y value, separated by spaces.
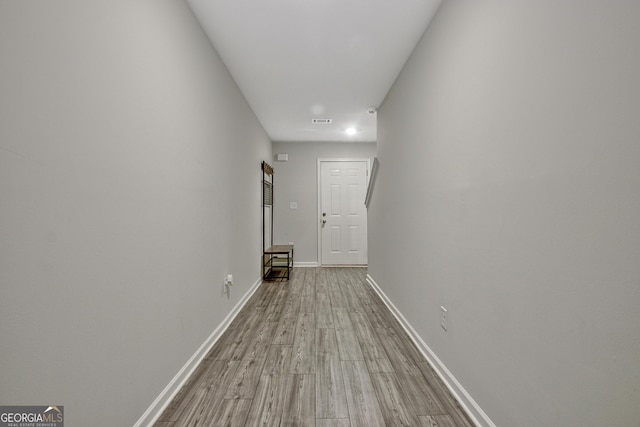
pixel 321 349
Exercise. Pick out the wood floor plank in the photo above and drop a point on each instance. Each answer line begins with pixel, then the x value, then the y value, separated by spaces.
pixel 295 285
pixel 396 351
pixel 308 298
pixel 375 311
pixel 331 399
pixel 287 325
pixel 359 279
pixel 333 422
pixel 345 333
pixel 209 394
pixel 372 349
pixel 267 406
pixel 451 406
pixel 322 280
pixel 263 298
pixel 423 398
pixel 183 397
pixel 437 421
pixel 335 284
pixel 231 413
pixel 420 395
pixel 277 305
pixel 299 407
pixel 392 400
pixel 196 412
pixel 303 360
pixel 353 300
pixel 324 315
pixel 248 374
pixel 401 338
pixel 235 345
pixel 364 409
pixel 350 291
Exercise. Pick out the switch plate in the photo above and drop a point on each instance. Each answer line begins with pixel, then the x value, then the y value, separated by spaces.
pixel 293 205
pixel 444 318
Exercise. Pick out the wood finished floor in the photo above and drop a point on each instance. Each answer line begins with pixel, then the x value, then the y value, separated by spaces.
pixel 318 350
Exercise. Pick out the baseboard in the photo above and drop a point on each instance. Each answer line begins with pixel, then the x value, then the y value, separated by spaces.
pixel 469 405
pixel 305 264
pixel 154 411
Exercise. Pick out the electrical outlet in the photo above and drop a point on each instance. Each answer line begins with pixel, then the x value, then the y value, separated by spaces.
pixel 228 281
pixel 444 318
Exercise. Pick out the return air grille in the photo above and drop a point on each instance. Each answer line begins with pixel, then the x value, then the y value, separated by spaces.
pixel 321 121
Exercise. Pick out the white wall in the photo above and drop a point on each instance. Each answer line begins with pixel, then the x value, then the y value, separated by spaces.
pixel 297 181
pixel 129 185
pixel 508 191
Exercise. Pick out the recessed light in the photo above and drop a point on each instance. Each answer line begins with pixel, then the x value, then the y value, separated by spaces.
pixel 351 131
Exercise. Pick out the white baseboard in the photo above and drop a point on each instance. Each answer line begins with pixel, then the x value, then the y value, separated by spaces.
pixel 305 264
pixel 469 405
pixel 154 411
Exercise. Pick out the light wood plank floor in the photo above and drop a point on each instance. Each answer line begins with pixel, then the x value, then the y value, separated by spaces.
pixel 318 350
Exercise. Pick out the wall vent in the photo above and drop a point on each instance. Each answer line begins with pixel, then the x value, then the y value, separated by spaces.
pixel 321 121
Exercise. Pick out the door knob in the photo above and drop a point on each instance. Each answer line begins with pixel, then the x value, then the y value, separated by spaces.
pixel 324 221
pixel 324 214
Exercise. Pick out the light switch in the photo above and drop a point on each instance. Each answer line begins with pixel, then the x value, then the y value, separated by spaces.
pixel 293 205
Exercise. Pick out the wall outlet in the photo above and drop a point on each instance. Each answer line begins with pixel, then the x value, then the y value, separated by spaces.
pixel 228 281
pixel 444 318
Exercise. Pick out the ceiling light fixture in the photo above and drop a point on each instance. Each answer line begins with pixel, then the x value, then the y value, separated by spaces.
pixel 351 131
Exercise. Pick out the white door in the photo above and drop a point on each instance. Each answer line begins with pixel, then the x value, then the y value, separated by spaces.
pixel 343 215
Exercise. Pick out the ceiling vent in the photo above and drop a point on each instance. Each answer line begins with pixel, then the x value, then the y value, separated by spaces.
pixel 321 121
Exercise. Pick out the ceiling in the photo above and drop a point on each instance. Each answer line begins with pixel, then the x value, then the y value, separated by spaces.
pixel 298 60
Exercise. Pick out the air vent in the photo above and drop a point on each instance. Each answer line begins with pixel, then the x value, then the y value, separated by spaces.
pixel 321 121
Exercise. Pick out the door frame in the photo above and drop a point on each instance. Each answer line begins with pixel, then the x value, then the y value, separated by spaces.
pixel 319 193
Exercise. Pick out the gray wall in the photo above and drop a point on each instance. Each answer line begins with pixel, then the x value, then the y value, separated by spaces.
pixel 508 191
pixel 130 185
pixel 297 181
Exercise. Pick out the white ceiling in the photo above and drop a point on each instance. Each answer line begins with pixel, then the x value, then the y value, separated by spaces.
pixel 295 60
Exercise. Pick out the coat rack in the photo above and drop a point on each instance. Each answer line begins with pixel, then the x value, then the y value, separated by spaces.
pixel 277 260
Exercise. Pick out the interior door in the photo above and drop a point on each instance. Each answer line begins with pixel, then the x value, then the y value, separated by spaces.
pixel 343 215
